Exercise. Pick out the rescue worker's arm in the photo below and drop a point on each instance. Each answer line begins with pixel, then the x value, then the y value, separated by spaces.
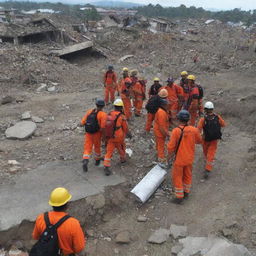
pixel 222 122
pixel 115 78
pixel 102 123
pixel 198 137
pixel 83 121
pixel 125 127
pixel 104 79
pixel 36 232
pixel 78 238
pixel 200 124
pixel 162 124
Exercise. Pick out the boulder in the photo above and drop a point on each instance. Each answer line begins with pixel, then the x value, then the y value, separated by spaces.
pixel 21 130
pixel 123 237
pixel 178 231
pixel 159 236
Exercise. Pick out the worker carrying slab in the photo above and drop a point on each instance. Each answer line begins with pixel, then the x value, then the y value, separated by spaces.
pixel 210 125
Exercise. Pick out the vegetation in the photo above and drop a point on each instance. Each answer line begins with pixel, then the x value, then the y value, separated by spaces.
pixel 236 15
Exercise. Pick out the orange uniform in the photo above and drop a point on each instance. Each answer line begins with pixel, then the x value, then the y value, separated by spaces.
pixel 70 234
pixel 139 96
pixel 118 142
pixel 182 166
pixel 175 92
pixel 161 131
pixel 110 83
pixel 193 105
pixel 209 147
pixel 94 139
pixel 126 97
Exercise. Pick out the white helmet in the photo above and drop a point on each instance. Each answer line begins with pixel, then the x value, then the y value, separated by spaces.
pixel 209 105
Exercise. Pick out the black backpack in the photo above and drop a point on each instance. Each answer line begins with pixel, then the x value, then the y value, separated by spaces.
pixel 201 91
pixel 152 105
pixel 92 125
pixel 47 245
pixel 212 128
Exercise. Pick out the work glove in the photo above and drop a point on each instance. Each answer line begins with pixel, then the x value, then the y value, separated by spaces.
pixel 129 135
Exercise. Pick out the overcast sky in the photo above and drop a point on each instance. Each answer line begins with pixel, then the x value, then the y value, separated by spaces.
pixel 216 4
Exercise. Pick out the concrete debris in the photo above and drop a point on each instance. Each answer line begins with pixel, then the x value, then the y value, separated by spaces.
pixel 37 119
pixel 178 231
pixel 129 152
pixel 159 236
pixel 123 237
pixel 125 58
pixel 97 201
pixel 211 246
pixel 7 99
pixel 176 249
pixel 51 89
pixel 142 218
pixel 42 88
pixel 21 130
pixel 26 115
pixel 13 162
pixel 16 252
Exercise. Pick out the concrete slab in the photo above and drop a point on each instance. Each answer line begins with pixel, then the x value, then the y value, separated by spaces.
pixel 73 48
pixel 28 195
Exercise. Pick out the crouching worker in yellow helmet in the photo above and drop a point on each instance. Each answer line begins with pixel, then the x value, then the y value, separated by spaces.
pixel 57 231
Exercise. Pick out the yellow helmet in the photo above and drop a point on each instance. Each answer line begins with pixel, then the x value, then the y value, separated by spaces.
pixel 191 77
pixel 59 197
pixel 163 93
pixel 118 103
pixel 156 79
pixel 125 69
pixel 184 73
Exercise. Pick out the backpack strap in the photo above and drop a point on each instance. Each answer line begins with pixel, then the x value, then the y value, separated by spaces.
pixel 181 135
pixel 48 223
pixel 115 127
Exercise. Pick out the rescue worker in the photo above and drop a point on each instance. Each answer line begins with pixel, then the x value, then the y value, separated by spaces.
pixel 126 92
pixel 95 132
pixel 110 84
pixel 70 234
pixel 161 129
pixel 181 148
pixel 117 141
pixel 152 107
pixel 193 103
pixel 211 126
pixel 175 97
pixel 134 76
pixel 183 80
pixel 125 74
pixel 155 87
pixel 139 92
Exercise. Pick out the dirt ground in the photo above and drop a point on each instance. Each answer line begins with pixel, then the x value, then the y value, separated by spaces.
pixel 222 205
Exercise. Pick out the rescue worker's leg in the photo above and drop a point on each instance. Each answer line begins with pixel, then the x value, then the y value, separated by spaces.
pixel 112 91
pixel 210 154
pixel 187 179
pixel 150 119
pixel 177 181
pixel 160 147
pixel 121 150
pixel 107 159
pixel 193 118
pixel 88 144
pixel 138 106
pixel 107 91
pixel 97 147
pixel 127 107
pixel 174 111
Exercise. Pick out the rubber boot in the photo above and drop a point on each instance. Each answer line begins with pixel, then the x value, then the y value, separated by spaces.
pixel 97 162
pixel 107 171
pixel 206 174
pixel 186 195
pixel 85 165
pixel 177 200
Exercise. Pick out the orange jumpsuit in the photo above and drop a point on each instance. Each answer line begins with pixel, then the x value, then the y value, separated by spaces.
pixel 193 105
pixel 161 130
pixel 182 166
pixel 175 92
pixel 110 83
pixel 94 139
pixel 118 142
pixel 209 147
pixel 125 96
pixel 70 234
pixel 139 96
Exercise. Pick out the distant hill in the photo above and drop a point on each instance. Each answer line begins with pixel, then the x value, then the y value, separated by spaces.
pixel 114 4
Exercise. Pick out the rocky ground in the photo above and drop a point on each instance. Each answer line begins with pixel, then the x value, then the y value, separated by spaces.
pixel 58 92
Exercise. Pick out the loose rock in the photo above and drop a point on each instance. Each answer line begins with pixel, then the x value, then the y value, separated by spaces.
pixel 159 236
pixel 37 119
pixel 26 115
pixel 51 89
pixel 176 249
pixel 178 231
pixel 142 218
pixel 123 237
pixel 21 130
pixel 41 88
pixel 7 99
